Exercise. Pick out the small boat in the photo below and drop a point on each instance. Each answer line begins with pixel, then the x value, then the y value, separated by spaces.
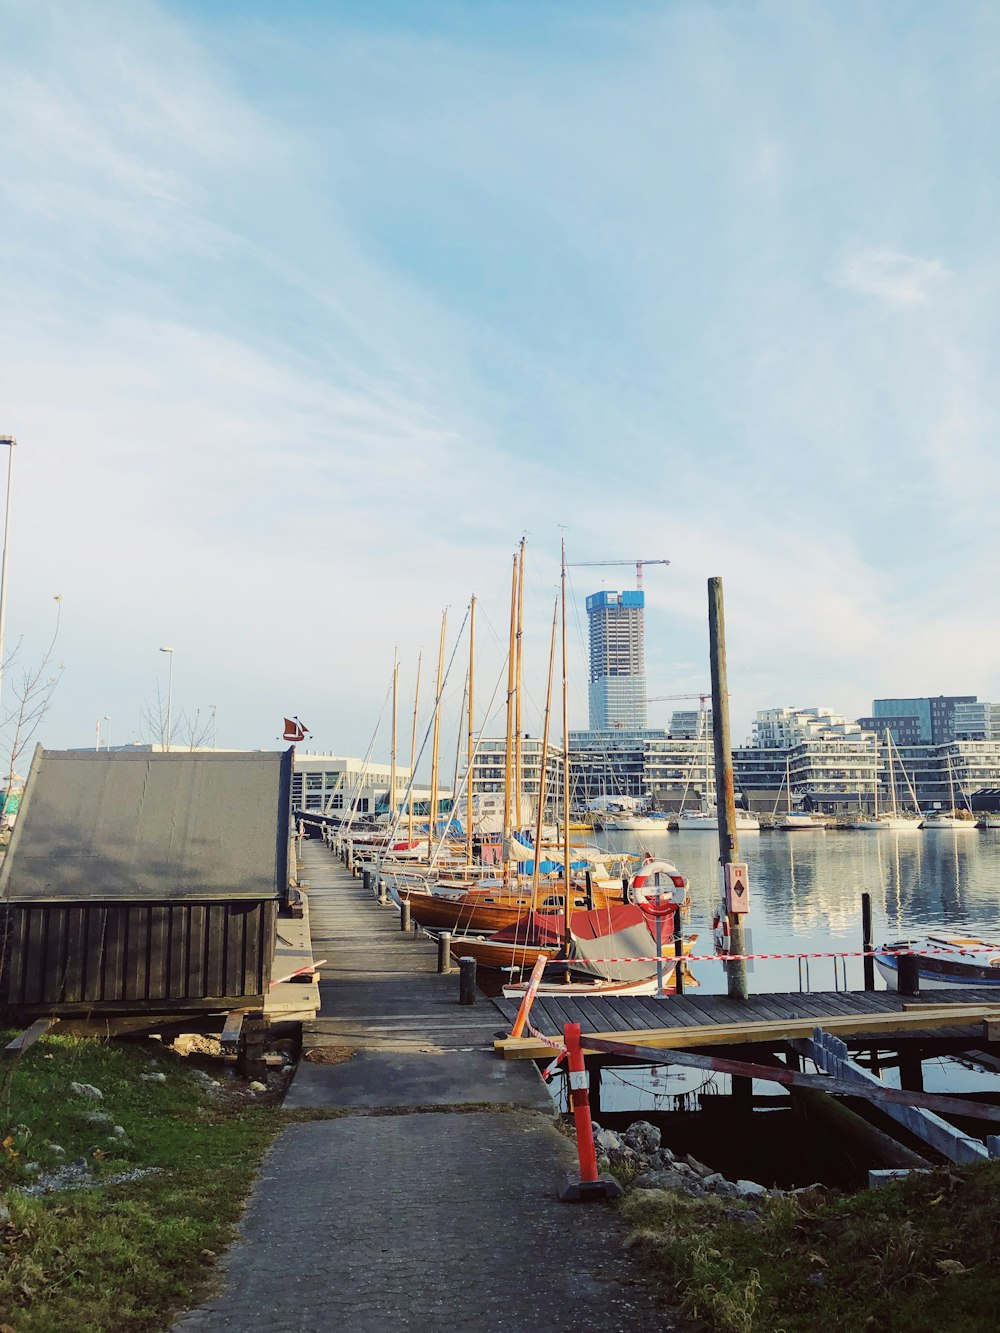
pixel 988 821
pixel 943 960
pixel 707 821
pixel 946 819
pixel 636 823
pixel 791 819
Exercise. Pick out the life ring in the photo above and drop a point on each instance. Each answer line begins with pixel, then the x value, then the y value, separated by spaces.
pixel 645 894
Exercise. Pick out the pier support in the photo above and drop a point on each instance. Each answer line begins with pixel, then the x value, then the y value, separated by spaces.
pixel 444 952
pixel 867 943
pixel 467 981
pixel 404 914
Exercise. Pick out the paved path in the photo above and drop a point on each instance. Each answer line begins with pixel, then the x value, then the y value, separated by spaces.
pixel 395 1218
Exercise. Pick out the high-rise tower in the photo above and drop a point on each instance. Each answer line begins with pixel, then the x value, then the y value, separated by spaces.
pixel 617 693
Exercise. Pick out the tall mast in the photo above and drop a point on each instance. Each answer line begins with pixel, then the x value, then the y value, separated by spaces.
pixel 892 772
pixel 565 721
pixel 432 813
pixel 518 754
pixel 392 761
pixel 508 754
pixel 545 754
pixel 413 747
pixel 470 751
pixel 876 780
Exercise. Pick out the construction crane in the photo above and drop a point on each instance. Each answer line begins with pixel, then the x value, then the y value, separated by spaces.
pixel 664 698
pixel 593 564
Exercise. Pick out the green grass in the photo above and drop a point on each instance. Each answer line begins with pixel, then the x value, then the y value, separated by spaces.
pixel 126 1256
pixel 921 1255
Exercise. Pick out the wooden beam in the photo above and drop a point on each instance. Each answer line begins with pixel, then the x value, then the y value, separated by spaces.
pixel 748 1030
pixel 30 1035
pixel 233 1027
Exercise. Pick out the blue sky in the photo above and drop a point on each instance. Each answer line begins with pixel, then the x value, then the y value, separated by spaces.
pixel 309 312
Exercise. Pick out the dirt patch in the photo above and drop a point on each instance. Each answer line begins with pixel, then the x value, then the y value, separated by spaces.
pixel 330 1055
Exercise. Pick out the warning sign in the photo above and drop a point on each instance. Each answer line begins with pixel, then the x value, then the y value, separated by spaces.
pixel 737 882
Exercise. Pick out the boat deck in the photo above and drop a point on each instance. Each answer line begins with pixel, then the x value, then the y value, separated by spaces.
pixel 964 1017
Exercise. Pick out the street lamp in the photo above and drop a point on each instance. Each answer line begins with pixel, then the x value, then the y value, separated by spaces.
pixel 108 721
pixel 10 442
pixel 170 696
pixel 211 708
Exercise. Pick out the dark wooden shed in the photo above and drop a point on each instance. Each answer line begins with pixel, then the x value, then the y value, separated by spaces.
pixel 141 882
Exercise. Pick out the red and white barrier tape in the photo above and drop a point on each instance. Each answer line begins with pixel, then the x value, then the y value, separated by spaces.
pixel 751 957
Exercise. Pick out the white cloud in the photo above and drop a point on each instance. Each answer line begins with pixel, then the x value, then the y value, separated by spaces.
pixel 890 276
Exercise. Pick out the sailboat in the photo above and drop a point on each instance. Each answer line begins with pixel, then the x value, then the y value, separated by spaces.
pixel 791 819
pixel 947 819
pixel 706 819
pixel 895 818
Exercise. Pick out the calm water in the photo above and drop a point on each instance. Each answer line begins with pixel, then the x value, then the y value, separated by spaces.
pixel 806 887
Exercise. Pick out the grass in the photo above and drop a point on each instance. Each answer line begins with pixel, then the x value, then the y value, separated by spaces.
pixel 921 1255
pixel 123 1256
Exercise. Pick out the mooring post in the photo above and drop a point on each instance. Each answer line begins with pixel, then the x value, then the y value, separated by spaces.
pixel 590 1185
pixel 368 877
pixel 908 974
pixel 383 896
pixel 444 951
pixel 725 789
pixel 678 952
pixel 467 981
pixel 867 943
pixel 404 914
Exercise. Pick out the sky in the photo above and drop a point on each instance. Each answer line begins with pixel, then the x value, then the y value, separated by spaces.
pixel 310 312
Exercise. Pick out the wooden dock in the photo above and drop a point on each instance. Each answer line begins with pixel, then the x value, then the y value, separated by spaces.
pixel 954 1020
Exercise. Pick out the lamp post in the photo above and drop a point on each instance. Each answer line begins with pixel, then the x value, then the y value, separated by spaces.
pixel 10 442
pixel 211 709
pixel 107 743
pixel 170 696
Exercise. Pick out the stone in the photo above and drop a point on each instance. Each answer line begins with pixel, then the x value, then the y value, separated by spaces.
pixel 699 1168
pixel 99 1118
pixel 666 1180
pixel 257 1086
pixel 31 1168
pixel 153 1078
pixel 643 1137
pixel 86 1090
pixel 606 1141
pixel 55 1150
pixel 666 1156
pixel 622 1157
pixel 749 1189
pixel 118 1131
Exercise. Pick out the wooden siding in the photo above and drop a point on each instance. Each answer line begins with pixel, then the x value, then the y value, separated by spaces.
pixel 147 955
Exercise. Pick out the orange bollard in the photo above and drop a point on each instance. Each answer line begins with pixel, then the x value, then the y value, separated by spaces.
pixel 590 1186
pixel 529 995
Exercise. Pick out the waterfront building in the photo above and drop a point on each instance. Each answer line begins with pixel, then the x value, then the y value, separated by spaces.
pixel 617 681
pixel 928 720
pixel 782 728
pixel 691 723
pixel 489 768
pixel 979 721
pixel 332 784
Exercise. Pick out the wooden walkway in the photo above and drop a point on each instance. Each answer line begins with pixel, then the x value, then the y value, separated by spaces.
pixel 379 987
pixel 711 1020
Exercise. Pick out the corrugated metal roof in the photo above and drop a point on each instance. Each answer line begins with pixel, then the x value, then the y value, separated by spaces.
pixel 128 827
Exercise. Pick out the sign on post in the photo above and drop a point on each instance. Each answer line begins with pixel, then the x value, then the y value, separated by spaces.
pixel 737 886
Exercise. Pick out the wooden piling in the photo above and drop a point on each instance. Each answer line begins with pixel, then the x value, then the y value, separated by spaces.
pixel 725 790
pixel 867 943
pixel 467 981
pixel 908 974
pixel 404 914
pixel 444 951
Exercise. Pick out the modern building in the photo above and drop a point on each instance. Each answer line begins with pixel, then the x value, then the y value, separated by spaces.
pixel 928 720
pixel 617 688
pixel 979 721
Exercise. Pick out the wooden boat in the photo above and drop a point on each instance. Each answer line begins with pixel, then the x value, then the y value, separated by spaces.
pixel 485 910
pixel 943 961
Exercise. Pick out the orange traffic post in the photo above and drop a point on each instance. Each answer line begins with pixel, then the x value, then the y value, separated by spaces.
pixel 590 1185
pixel 529 995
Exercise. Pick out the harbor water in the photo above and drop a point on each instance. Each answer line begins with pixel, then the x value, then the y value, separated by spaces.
pixel 806 887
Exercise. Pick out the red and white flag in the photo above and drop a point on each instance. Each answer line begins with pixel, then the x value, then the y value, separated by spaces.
pixel 294 730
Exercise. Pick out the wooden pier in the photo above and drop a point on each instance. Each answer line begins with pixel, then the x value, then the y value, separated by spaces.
pixel 938 1020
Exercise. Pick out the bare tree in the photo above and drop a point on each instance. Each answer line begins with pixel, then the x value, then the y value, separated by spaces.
pixel 32 691
pixel 190 731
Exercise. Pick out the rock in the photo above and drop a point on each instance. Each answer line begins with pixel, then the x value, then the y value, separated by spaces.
pixel 196 1043
pixel 699 1168
pixel 606 1141
pixel 666 1156
pixel 749 1189
pixel 717 1183
pixel 808 1189
pixel 153 1078
pixel 55 1150
pixel 99 1118
pixel 643 1137
pixel 257 1086
pixel 87 1090
pixel 667 1180
pixel 623 1157
pixel 118 1131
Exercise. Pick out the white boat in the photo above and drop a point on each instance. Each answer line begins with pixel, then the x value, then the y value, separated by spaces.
pixel 789 820
pixel 948 819
pixel 636 823
pixel 988 821
pixel 707 821
pixel 943 961
pixel 895 819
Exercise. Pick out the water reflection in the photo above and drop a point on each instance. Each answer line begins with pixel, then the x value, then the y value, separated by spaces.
pixel 806 892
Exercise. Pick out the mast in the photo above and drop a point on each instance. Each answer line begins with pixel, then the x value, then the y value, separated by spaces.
pixel 875 792
pixel 519 688
pixel 565 721
pixel 545 754
pixel 413 747
pixel 470 742
pixel 392 760
pixel 508 753
pixel 892 772
pixel 432 813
